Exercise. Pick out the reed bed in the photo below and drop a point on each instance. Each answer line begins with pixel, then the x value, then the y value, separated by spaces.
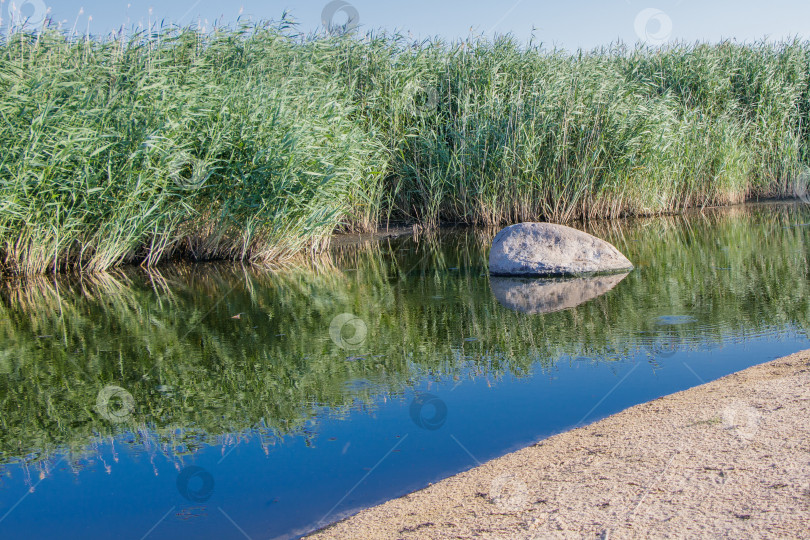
pixel 259 143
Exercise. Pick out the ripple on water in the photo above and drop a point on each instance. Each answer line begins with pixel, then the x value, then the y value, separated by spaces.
pixel 668 320
pixel 358 385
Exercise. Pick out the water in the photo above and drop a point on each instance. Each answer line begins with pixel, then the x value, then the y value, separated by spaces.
pixel 215 401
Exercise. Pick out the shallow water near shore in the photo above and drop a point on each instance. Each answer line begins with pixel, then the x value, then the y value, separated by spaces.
pixel 216 401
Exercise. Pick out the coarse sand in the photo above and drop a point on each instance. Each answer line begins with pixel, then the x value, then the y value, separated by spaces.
pixel 728 459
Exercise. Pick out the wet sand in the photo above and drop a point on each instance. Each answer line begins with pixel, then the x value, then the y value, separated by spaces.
pixel 730 458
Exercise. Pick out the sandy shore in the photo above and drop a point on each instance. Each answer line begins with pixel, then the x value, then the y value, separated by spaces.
pixel 730 458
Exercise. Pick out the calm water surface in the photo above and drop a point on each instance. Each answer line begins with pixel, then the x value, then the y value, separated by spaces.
pixel 215 401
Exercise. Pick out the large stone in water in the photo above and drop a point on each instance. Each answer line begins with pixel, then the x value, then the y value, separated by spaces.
pixel 534 296
pixel 546 249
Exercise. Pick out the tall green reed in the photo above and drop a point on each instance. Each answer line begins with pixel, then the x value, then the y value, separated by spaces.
pixel 257 143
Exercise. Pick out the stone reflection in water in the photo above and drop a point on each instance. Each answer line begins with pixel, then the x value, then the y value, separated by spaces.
pixel 536 296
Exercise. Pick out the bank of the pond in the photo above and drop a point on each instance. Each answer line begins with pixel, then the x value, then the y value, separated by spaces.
pixel 730 458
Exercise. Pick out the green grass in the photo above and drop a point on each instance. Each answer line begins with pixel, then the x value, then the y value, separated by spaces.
pixel 257 143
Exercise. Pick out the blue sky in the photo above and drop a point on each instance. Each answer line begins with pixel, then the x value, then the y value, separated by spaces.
pixel 570 25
